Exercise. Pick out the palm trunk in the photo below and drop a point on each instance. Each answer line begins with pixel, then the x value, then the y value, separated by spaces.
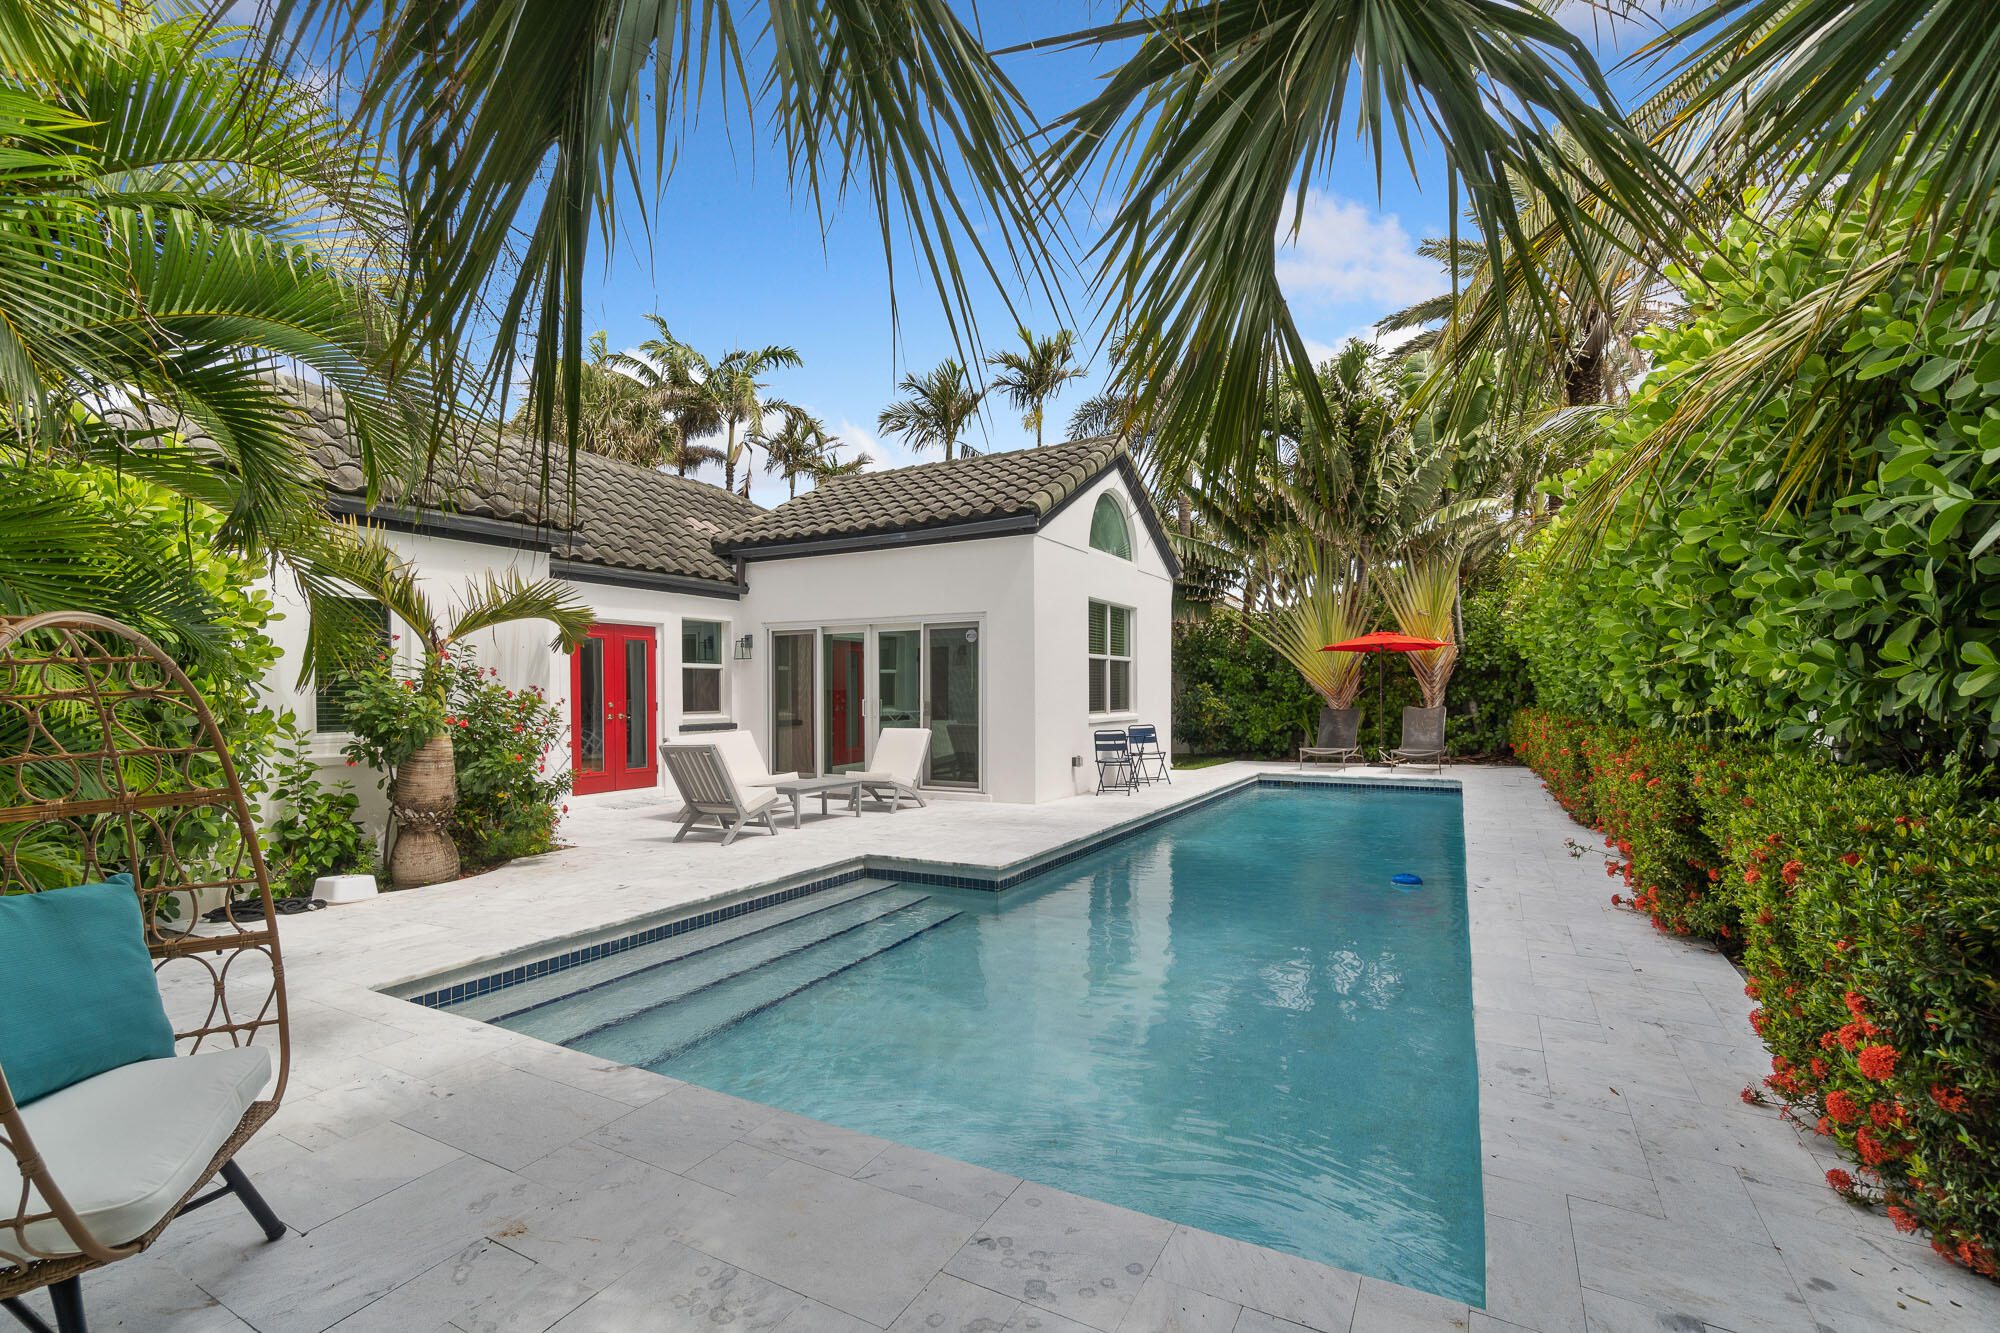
pixel 421 801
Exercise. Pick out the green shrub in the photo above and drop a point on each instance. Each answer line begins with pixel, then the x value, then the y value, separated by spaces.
pixel 1872 904
pixel 315 832
pixel 1491 682
pixel 1863 613
pixel 1867 908
pixel 1236 695
pixel 508 800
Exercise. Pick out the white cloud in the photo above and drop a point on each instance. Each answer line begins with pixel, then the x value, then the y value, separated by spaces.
pixel 1346 253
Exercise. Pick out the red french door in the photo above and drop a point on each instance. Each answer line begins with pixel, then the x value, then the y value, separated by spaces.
pixel 612 709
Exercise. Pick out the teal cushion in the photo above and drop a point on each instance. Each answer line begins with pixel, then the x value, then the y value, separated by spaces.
pixel 79 996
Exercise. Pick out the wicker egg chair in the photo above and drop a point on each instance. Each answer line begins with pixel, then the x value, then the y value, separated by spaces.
pixel 110 761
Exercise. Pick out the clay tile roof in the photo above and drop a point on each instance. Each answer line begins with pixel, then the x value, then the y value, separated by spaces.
pixel 1027 484
pixel 625 517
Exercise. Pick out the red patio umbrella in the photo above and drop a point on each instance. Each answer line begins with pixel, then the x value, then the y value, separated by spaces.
pixel 1383 641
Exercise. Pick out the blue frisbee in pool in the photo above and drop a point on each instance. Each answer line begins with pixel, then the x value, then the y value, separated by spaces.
pixel 1406 880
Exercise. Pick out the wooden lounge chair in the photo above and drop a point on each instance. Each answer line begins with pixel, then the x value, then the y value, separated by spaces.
pixel 1423 738
pixel 897 767
pixel 709 791
pixel 1339 737
pixel 107 1160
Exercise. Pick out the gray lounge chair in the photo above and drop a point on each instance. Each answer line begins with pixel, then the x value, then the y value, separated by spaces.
pixel 710 792
pixel 1423 738
pixel 1339 737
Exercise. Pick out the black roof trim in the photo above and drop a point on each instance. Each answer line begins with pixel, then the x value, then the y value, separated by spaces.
pixel 584 571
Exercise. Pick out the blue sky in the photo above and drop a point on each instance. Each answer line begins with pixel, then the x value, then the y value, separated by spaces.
pixel 731 259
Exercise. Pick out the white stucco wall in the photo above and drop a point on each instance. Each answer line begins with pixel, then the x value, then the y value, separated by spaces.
pixel 989 583
pixel 1028 595
pixel 1069 575
pixel 445 567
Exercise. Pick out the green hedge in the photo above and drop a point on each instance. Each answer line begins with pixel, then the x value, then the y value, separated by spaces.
pixel 1235 695
pixel 1862 610
pixel 1866 907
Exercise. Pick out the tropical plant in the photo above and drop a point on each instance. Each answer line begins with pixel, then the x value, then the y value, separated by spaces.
pixel 177 220
pixel 682 393
pixel 615 417
pixel 410 739
pixel 937 412
pixel 1421 592
pixel 508 799
pixel 737 385
pixel 801 448
pixel 829 466
pixel 314 831
pixel 1862 614
pixel 1036 373
pixel 1329 604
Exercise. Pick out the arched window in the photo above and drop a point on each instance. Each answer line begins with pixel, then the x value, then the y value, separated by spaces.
pixel 1108 531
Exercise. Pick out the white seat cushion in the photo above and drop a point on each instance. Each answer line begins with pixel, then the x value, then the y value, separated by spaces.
pixel 126 1145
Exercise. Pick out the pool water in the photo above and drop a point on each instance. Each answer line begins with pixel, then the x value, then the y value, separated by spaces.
pixel 1232 1020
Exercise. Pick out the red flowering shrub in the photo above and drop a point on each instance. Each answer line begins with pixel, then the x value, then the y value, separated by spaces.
pixel 1867 909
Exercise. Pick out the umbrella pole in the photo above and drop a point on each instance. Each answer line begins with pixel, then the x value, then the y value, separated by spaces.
pixel 1381 705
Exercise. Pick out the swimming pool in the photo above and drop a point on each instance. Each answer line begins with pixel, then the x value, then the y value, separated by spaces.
pixel 1232 1019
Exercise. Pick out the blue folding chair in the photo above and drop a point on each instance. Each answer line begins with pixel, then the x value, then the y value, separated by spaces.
pixel 1149 761
pixel 1114 761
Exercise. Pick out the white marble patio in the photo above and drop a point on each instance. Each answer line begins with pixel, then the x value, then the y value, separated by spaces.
pixel 443 1175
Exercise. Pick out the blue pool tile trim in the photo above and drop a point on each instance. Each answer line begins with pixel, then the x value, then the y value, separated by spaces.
pixel 902 873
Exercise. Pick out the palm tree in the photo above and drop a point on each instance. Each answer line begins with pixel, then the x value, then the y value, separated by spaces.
pixel 1034 375
pixel 736 385
pixel 422 795
pixel 829 466
pixel 680 390
pixel 939 408
pixel 798 448
pixel 179 222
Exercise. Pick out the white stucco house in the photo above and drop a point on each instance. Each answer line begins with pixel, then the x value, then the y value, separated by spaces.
pixel 1011 603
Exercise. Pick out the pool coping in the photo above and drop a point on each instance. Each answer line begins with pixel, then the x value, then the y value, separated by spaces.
pixel 441 989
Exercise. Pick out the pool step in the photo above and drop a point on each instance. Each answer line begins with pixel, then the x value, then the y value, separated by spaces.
pixel 570 983
pixel 652 1036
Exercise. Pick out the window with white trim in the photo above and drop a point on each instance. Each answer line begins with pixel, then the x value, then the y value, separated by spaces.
pixel 701 665
pixel 1110 658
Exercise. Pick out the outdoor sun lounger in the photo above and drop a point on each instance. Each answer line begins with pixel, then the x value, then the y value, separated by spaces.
pixel 897 766
pixel 1339 737
pixel 1115 770
pixel 710 792
pixel 1149 759
pixel 1423 738
pixel 740 752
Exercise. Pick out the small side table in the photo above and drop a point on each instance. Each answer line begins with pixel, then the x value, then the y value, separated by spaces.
pixel 825 788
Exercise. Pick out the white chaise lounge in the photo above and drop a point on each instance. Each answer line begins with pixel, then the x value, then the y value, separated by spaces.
pixel 897 766
pixel 740 752
pixel 709 790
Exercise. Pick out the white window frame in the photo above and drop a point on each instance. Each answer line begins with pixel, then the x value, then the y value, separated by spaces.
pixel 1128 657
pixel 725 649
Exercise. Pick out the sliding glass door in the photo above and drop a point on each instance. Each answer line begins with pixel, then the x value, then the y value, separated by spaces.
pixel 952 675
pixel 833 690
pixel 792 742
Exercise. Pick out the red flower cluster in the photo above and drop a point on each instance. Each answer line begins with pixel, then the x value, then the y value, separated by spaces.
pixel 1840 1181
pixel 1841 1107
pixel 1949 1100
pixel 1877 1062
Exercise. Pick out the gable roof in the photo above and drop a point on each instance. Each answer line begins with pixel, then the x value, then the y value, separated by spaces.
pixel 985 495
pixel 625 517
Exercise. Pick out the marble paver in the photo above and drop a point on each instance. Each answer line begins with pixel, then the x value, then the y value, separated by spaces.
pixel 443 1176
